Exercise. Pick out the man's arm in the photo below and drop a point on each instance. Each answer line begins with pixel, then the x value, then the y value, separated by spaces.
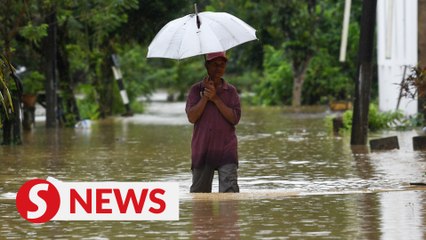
pixel 227 112
pixel 194 112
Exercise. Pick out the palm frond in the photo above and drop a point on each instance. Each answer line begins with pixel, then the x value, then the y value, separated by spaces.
pixel 5 70
pixel 4 105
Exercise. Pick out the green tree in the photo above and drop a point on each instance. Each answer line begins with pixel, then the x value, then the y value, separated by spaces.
pixel 296 22
pixel 93 29
pixel 327 78
pixel 309 33
pixel 12 17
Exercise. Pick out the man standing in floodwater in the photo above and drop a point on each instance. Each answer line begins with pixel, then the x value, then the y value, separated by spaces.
pixel 213 106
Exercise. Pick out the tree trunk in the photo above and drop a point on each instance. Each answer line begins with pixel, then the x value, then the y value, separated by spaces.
pixel 299 72
pixel 71 112
pixel 297 91
pixel 365 74
pixel 49 50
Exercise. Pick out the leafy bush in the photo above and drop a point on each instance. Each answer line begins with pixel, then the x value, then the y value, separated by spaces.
pixel 142 76
pixel 325 80
pixel 87 105
pixel 246 81
pixel 377 120
pixel 275 86
pixel 381 120
pixel 33 82
pixel 34 33
pixel 347 119
pixel 135 71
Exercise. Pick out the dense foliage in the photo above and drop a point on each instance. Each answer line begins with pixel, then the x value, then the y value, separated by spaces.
pixel 378 120
pixel 295 37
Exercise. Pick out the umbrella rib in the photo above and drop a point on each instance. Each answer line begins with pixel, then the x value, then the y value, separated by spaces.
pixel 191 16
pixel 180 46
pixel 181 41
pixel 225 28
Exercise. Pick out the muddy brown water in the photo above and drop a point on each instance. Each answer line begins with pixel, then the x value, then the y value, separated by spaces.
pixel 297 179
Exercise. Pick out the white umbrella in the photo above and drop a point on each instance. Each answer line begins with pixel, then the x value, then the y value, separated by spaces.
pixel 200 33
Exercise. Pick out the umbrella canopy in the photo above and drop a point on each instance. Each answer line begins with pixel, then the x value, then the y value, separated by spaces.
pixel 197 34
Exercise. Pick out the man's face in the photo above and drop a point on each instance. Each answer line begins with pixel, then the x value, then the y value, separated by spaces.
pixel 216 67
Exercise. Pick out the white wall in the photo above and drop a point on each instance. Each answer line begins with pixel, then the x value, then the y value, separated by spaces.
pixel 403 50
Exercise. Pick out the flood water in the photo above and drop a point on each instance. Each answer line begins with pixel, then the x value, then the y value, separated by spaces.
pixel 297 179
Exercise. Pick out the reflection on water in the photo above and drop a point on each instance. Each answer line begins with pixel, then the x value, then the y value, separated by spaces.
pixel 297 179
pixel 215 220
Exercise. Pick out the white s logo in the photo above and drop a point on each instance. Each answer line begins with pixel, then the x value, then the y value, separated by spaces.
pixel 41 203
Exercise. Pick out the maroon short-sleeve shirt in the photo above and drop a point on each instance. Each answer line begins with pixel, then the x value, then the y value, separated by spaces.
pixel 214 141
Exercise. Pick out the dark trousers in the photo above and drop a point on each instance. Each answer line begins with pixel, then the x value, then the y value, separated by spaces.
pixel 202 179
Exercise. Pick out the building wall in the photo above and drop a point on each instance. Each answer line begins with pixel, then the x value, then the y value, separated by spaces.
pixel 397 47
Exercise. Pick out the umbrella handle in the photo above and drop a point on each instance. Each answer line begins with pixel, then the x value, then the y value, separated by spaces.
pixel 196 14
pixel 195 8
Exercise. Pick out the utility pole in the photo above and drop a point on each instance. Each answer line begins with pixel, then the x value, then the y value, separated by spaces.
pixel 422 31
pixel 49 48
pixel 119 78
pixel 422 51
pixel 364 73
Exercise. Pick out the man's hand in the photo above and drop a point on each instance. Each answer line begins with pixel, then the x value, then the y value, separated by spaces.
pixel 209 90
